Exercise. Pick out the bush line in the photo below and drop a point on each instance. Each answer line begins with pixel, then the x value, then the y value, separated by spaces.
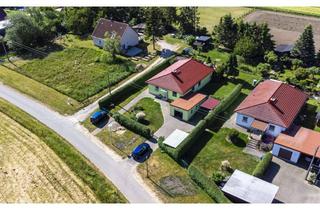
pixel 133 125
pixel 88 173
pixel 262 165
pixel 207 185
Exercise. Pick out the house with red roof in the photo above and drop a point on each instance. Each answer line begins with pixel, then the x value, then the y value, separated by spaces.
pixel 179 83
pixel 128 37
pixel 271 108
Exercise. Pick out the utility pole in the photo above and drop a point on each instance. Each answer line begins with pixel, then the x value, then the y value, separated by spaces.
pixel 310 166
pixel 109 84
pixel 147 168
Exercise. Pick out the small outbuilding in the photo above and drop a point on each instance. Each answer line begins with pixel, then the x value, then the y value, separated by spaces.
pixel 175 138
pixel 209 104
pixel 283 49
pixel 245 188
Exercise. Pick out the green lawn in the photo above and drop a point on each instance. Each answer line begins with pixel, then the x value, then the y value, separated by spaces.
pixel 75 73
pixel 104 190
pixel 217 56
pixel 170 181
pixel 121 143
pixel 309 11
pixel 210 16
pixel 219 149
pixel 175 41
pixel 152 109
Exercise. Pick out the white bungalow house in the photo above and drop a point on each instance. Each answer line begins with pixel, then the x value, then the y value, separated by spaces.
pixel 128 37
pixel 270 108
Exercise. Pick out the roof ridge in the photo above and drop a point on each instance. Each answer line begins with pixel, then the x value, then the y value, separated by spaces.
pixel 168 72
pixel 265 102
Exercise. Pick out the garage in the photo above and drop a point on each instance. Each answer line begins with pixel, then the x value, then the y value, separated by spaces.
pixel 283 153
pixel 178 114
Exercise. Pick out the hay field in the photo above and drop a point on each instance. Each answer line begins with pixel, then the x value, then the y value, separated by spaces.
pixel 30 172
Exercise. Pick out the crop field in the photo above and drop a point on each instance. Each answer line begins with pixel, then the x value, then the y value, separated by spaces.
pixel 210 16
pixel 286 28
pixel 76 73
pixel 31 172
pixel 309 11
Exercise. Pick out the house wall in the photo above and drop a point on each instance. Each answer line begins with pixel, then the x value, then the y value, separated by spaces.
pixel 239 121
pixel 129 38
pixel 98 42
pixel 203 82
pixel 278 129
pixel 154 91
pixel 295 154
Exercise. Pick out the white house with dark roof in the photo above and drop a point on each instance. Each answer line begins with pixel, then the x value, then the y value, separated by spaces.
pixel 128 37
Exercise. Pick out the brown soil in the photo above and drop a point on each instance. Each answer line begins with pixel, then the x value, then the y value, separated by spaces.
pixel 30 172
pixel 286 28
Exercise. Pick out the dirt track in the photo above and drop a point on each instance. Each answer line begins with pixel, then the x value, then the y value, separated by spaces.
pixel 286 28
pixel 30 172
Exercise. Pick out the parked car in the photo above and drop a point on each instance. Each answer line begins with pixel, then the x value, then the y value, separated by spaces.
pixel 141 151
pixel 98 116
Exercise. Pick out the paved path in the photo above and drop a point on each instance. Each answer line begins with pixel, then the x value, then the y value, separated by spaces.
pixel 85 112
pixel 122 173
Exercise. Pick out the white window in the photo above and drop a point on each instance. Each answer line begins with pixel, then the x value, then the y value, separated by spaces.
pixel 272 128
pixel 244 119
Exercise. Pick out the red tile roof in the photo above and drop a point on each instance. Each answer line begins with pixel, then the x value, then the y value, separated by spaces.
pixel 188 102
pixel 210 103
pixel 274 102
pixel 110 26
pixel 181 76
pixel 305 141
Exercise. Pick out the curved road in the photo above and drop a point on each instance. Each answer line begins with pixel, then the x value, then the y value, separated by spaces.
pixel 122 173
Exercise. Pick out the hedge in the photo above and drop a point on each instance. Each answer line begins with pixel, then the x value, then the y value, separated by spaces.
pixel 208 185
pixel 136 85
pixel 262 165
pixel 224 104
pixel 169 150
pixel 133 125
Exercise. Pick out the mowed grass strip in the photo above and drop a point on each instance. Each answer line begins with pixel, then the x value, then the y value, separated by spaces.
pixel 170 181
pixel 53 98
pixel 103 189
pixel 76 73
pixel 29 165
pixel 219 149
pixel 210 16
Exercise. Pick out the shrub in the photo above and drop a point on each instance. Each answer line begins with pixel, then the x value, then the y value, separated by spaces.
pixel 218 176
pixel 262 165
pixel 166 149
pixel 125 91
pixel 207 185
pixel 106 57
pixel 266 147
pixel 140 116
pixel 233 135
pixel 226 166
pixel 133 125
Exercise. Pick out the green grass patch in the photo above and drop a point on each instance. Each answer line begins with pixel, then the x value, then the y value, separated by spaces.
pixel 217 56
pixel 210 16
pixel 170 181
pixel 75 72
pixel 122 142
pixel 152 110
pixel 104 190
pixel 219 149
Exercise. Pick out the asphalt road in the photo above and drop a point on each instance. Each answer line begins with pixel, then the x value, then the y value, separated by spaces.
pixel 120 172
